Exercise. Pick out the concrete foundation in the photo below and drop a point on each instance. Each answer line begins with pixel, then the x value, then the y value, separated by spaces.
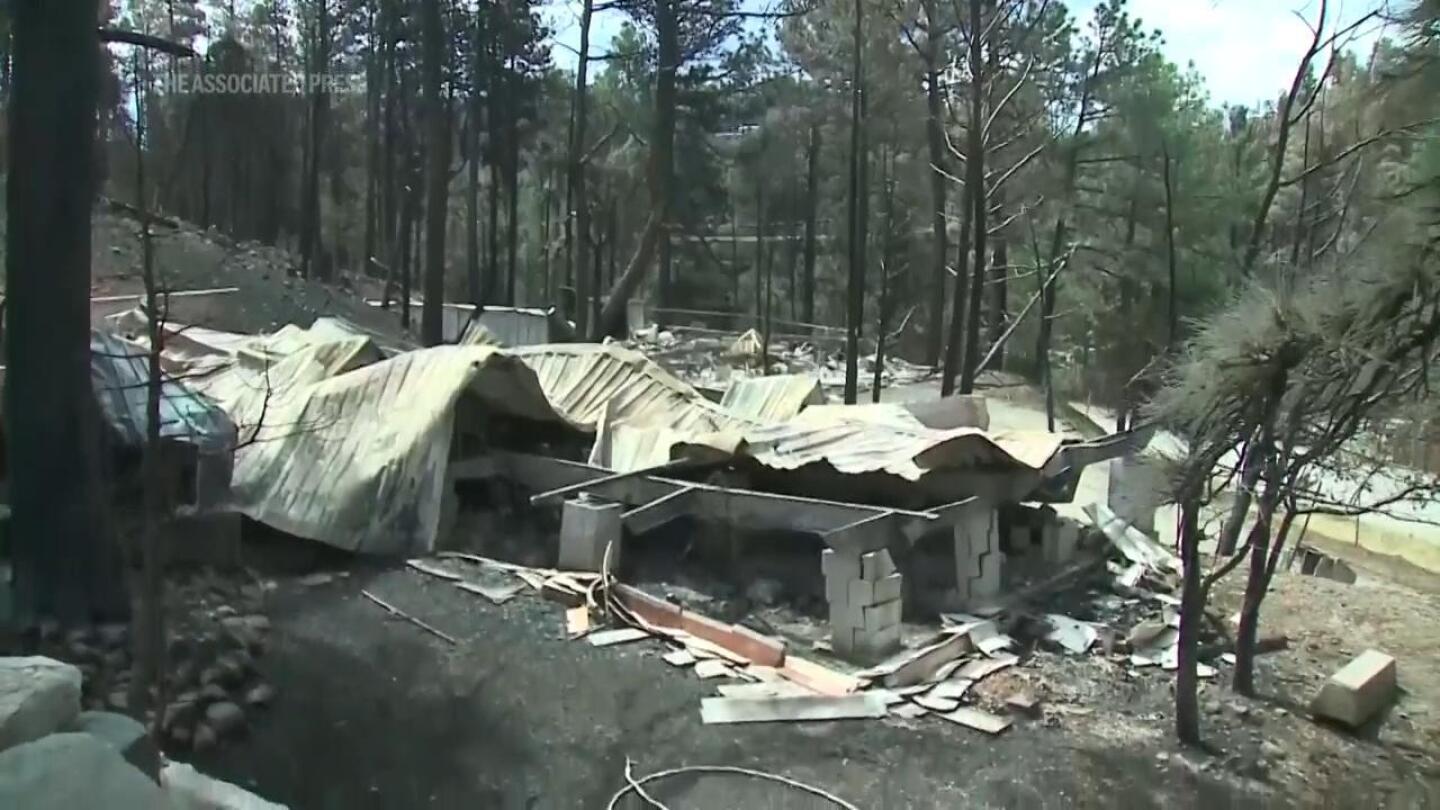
pixel 587 527
pixel 864 592
pixel 979 562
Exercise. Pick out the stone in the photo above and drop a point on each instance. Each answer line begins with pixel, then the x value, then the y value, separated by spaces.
pixel 118 700
pixel 124 734
pixel 181 711
pixel 213 693
pixel 1271 751
pixel 38 696
pixel 70 771
pixel 191 790
pixel 587 528
pixel 261 694
pixel 764 592
pixel 116 660
pixel 1358 691
pixel 225 717
pixel 113 635
pixel 212 674
pixel 180 736
pixel 205 737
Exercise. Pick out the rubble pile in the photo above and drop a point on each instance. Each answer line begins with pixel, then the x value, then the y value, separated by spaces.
pixel 216 631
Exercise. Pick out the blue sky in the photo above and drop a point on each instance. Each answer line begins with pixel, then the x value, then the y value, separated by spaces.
pixel 1245 49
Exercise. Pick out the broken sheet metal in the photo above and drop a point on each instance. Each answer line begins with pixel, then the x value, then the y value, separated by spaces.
pixel 119 370
pixel 580 379
pixel 359 460
pixel 854 440
pixel 772 399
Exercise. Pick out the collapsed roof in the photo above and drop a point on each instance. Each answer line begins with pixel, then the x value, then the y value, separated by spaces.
pixel 340 444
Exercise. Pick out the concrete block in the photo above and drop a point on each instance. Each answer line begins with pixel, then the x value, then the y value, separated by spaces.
pixel 587 526
pixel 880 643
pixel 38 696
pixel 1022 537
pixel 878 617
pixel 889 589
pixel 839 565
pixel 861 592
pixel 838 590
pixel 1358 691
pixel 844 615
pixel 877 565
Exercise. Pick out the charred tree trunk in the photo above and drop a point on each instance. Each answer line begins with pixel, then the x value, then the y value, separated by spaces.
pixel 492 231
pixel 584 291
pixel 319 103
pixel 1187 706
pixel 855 308
pixel 959 304
pixel 812 205
pixel 437 171
pixel 656 235
pixel 975 183
pixel 935 140
pixel 999 296
pixel 512 208
pixel 472 169
pixel 57 534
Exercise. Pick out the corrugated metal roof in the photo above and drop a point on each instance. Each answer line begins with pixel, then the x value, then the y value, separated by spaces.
pixel 770 399
pixel 358 460
pixel 580 379
pixel 119 370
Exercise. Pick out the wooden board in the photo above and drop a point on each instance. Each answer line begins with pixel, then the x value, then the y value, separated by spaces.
pixel 790 709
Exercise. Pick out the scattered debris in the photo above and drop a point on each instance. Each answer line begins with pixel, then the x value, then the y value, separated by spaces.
pixel 400 614
pixel 498 594
pixel 577 621
pixel 713 668
pixel 1358 691
pixel 623 635
pixel 738 710
pixel 679 658
pixel 1072 634
pixel 979 720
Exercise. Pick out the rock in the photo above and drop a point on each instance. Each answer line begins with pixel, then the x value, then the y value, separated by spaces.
pixel 125 735
pixel 69 771
pixel 233 668
pixel 213 693
pixel 115 660
pixel 182 675
pixel 205 737
pixel 113 635
pixel 80 652
pixel 181 711
pixel 80 635
pixel 118 700
pixel 316 579
pixel 261 694
pixel 764 592
pixel 180 736
pixel 191 790
pixel 225 717
pixel 211 674
pixel 38 696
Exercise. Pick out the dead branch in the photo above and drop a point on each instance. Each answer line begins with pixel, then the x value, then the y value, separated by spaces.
pixel 119 36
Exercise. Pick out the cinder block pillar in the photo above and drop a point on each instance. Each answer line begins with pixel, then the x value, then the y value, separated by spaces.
pixel 864 592
pixel 587 526
pixel 979 562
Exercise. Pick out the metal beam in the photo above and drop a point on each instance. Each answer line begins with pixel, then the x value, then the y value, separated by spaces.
pixel 746 509
pixel 660 511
